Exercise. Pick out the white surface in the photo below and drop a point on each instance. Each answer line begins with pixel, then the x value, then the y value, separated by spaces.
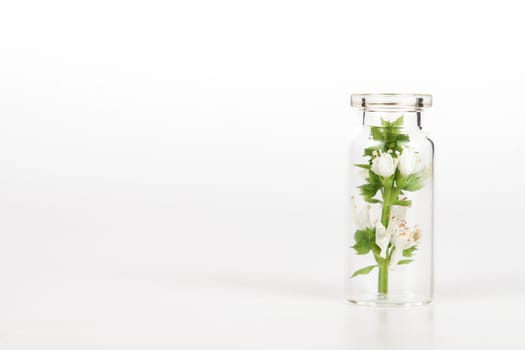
pixel 172 174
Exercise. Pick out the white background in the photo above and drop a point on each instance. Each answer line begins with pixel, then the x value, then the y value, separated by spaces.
pixel 173 174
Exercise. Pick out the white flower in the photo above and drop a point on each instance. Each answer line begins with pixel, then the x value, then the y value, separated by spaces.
pixel 409 162
pixel 403 239
pixel 399 234
pixel 399 211
pixel 382 237
pixel 361 217
pixel 397 254
pixel 384 165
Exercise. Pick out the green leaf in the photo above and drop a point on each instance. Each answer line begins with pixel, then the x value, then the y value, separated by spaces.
pixel 362 247
pixel 364 166
pixel 402 138
pixel 364 270
pixel 411 183
pixel 374 179
pixel 372 200
pixel 369 190
pixel 391 145
pixel 400 180
pixel 378 133
pixel 390 134
pixel 415 186
pixel 405 261
pixel 367 234
pixel 409 252
pixel 399 122
pixel 404 203
pixel 364 240
pixel 370 150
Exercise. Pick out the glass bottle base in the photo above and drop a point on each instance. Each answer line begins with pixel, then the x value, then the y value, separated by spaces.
pixel 380 300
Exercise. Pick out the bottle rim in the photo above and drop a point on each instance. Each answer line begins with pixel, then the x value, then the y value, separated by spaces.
pixel 391 101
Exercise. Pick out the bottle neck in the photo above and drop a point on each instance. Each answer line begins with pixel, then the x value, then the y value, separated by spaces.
pixel 411 119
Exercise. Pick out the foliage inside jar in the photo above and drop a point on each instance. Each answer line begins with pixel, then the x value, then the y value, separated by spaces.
pixel 392 170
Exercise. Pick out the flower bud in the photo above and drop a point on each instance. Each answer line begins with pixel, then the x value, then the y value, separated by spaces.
pixel 384 165
pixel 409 162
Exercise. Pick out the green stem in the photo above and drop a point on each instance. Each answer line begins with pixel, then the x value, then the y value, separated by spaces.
pixel 387 204
pixel 383 278
pixel 382 286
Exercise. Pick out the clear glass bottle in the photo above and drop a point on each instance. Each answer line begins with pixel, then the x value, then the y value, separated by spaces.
pixel 389 255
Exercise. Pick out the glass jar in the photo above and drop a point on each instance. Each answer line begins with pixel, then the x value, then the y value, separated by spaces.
pixel 389 255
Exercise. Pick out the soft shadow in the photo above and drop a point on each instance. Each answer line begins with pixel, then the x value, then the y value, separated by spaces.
pixel 390 328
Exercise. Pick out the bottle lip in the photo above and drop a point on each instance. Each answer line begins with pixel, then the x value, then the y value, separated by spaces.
pixel 391 101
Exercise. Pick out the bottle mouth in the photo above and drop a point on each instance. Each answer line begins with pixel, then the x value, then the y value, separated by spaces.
pixel 391 101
